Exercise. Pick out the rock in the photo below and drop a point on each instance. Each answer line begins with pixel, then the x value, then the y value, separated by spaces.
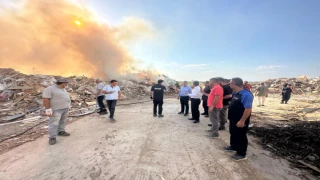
pixel 311 158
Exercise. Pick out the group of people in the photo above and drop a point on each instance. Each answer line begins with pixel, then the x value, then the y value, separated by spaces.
pixel 57 102
pixel 218 97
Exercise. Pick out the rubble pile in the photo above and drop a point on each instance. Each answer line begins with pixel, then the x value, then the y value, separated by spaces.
pixel 298 142
pixel 21 94
pixel 301 84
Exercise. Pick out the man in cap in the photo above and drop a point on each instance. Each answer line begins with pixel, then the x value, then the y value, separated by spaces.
pixel 156 94
pixel 57 102
pixel 100 97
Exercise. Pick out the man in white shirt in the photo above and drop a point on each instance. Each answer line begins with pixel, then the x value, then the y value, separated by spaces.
pixel 100 97
pixel 195 102
pixel 112 92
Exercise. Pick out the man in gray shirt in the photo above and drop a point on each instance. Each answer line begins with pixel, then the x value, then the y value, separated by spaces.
pixel 57 103
pixel 100 97
pixel 262 93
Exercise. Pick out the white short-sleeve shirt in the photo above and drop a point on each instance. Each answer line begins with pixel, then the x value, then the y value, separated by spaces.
pixel 114 95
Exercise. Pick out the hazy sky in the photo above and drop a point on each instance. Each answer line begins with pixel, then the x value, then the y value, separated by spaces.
pixel 252 39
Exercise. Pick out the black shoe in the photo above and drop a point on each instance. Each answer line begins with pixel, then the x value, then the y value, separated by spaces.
pixel 180 112
pixel 112 120
pixel 206 116
pixel 214 136
pixel 229 149
pixel 154 115
pixel 160 115
pixel 262 105
pixel 209 124
pixel 185 114
pixel 191 119
pixel 52 141
pixel 196 121
pixel 238 157
pixel 63 133
pixel 203 113
pixel 103 112
pixel 222 128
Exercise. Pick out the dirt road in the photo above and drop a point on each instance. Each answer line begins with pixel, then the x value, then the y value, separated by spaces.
pixel 138 146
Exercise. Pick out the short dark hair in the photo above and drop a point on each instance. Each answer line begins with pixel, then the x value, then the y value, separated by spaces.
pixel 196 83
pixel 226 80
pixel 207 82
pixel 214 79
pixel 185 81
pixel 237 81
pixel 160 81
pixel 262 83
pixel 220 79
pixel 112 81
pixel 59 83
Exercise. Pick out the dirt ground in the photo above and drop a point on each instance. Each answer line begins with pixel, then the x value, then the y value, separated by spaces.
pixel 139 146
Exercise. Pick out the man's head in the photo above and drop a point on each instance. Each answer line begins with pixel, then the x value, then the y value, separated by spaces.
pixel 225 81
pixel 185 83
pixel 195 83
pixel 214 81
pixel 207 83
pixel 236 83
pixel 262 84
pixel 98 81
pixel 220 80
pixel 113 82
pixel 160 81
pixel 62 82
pixel 245 82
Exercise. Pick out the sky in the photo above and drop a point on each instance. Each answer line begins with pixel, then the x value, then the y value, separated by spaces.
pixel 197 40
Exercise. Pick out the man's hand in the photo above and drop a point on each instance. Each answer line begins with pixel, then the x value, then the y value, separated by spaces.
pixel 202 91
pixel 186 93
pixel 151 97
pixel 240 124
pixel 211 109
pixel 178 97
pixel 49 112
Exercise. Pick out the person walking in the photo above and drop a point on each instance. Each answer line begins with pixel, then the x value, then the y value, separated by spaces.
pixel 184 99
pixel 57 102
pixel 286 93
pixel 156 94
pixel 205 93
pixel 195 102
pixel 100 97
pixel 215 105
pixel 262 93
pixel 240 109
pixel 227 95
pixel 113 94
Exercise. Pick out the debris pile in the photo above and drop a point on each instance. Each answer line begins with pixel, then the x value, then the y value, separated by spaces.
pixel 21 94
pixel 297 142
pixel 302 84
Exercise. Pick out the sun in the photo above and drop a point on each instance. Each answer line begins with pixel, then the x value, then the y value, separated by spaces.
pixel 77 22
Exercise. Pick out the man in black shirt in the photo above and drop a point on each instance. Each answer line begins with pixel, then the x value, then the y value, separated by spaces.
pixel 205 92
pixel 156 94
pixel 286 92
pixel 227 95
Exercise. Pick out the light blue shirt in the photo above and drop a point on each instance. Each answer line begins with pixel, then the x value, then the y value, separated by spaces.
pixel 184 89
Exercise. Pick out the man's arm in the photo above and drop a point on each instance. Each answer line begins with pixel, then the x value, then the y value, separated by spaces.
pixel 98 92
pixel 246 114
pixel 215 101
pixel 227 96
pixel 195 92
pixel 46 103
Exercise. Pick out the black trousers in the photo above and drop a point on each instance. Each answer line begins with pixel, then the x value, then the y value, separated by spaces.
pixel 238 137
pixel 285 98
pixel 101 104
pixel 112 107
pixel 184 101
pixel 205 105
pixel 157 103
pixel 195 103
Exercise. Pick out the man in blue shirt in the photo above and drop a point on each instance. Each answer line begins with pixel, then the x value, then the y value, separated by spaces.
pixel 240 109
pixel 184 98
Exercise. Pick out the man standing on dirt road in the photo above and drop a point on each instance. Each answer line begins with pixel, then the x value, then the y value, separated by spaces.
pixel 262 93
pixel 240 109
pixel 286 93
pixel 215 105
pixel 57 102
pixel 195 102
pixel 205 93
pixel 227 95
pixel 100 97
pixel 184 99
pixel 156 94
pixel 112 92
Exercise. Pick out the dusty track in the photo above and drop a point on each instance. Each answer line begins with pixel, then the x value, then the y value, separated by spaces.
pixel 138 146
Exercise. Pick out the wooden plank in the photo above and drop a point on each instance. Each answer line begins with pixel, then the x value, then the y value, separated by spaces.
pixel 309 165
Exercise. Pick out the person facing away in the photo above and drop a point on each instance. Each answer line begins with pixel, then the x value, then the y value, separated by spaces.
pixel 113 94
pixel 205 93
pixel 156 94
pixel 240 109
pixel 100 97
pixel 247 86
pixel 262 93
pixel 286 92
pixel 215 105
pixel 195 102
pixel 227 95
pixel 57 102
pixel 184 99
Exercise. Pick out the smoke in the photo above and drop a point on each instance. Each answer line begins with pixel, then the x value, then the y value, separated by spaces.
pixel 62 38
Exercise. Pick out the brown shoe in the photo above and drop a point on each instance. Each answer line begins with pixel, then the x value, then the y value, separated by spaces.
pixel 63 133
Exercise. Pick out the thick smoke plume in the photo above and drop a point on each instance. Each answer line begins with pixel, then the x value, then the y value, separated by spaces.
pixel 62 38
